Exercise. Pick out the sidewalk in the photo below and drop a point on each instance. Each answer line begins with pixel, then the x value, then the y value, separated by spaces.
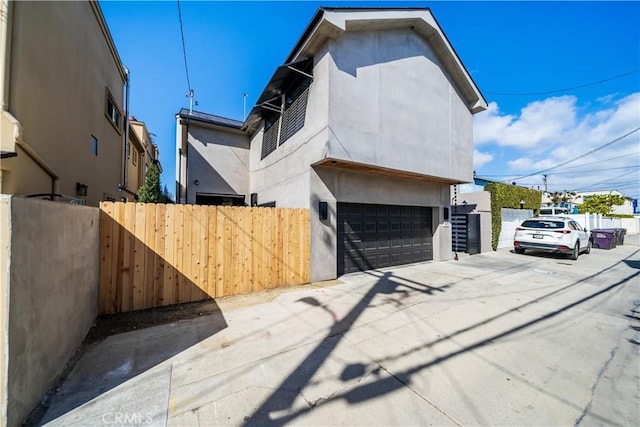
pixel 491 339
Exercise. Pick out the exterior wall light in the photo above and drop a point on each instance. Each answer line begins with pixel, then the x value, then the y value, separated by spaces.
pixel 323 210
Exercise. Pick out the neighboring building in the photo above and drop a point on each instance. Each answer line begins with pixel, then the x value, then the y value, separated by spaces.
pixel 577 198
pixel 367 124
pixel 625 209
pixel 63 124
pixel 212 160
pixel 142 154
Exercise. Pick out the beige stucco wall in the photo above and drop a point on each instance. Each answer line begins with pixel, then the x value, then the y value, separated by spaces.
pixel 61 66
pixel 15 170
pixel 135 171
pixel 49 295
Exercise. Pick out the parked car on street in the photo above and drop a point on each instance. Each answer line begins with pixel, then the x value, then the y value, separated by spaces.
pixel 552 234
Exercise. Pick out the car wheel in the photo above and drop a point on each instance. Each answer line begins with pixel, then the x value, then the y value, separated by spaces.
pixel 588 250
pixel 519 250
pixel 576 251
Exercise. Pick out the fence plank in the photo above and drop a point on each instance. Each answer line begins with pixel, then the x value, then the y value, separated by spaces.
pixel 138 259
pixel 204 251
pixel 159 259
pixel 155 255
pixel 128 258
pixel 185 288
pixel 196 239
pixel 306 253
pixel 169 277
pixel 106 255
pixel 244 237
pixel 118 215
pixel 149 253
pixel 231 285
pixel 220 250
pixel 211 251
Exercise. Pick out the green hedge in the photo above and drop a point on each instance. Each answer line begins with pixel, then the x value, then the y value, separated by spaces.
pixel 509 196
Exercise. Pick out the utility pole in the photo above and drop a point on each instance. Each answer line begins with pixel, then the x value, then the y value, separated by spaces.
pixel 244 105
pixel 544 180
pixel 190 95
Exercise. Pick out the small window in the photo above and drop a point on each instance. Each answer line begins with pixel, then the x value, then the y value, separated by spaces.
pixel 134 158
pixel 94 145
pixel 112 112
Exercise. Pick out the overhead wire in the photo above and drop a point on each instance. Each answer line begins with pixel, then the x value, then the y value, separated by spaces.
pixel 184 49
pixel 609 180
pixel 548 92
pixel 572 167
pixel 577 157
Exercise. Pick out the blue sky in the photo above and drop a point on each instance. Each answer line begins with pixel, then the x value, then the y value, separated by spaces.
pixel 522 55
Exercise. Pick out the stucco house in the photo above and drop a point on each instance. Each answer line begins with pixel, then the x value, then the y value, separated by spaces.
pixel 63 116
pixel 367 123
pixel 142 153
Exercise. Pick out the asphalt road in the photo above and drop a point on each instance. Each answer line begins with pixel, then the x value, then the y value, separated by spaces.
pixel 490 339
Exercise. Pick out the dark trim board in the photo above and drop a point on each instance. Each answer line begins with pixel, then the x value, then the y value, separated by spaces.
pixel 373 236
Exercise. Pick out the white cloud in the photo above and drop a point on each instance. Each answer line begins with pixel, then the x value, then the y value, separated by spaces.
pixel 540 123
pixel 551 131
pixel 544 124
pixel 480 159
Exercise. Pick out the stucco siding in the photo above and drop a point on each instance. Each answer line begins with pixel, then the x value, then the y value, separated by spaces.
pixel 14 171
pixel 334 185
pixel 392 105
pixel 272 177
pixel 61 69
pixel 218 160
pixel 49 294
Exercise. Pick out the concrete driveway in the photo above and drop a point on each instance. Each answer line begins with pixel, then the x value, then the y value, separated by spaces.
pixel 491 339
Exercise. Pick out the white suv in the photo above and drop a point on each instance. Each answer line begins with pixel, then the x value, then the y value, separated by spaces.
pixel 552 234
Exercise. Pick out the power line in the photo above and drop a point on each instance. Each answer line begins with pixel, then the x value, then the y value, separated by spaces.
pixel 184 49
pixel 593 170
pixel 564 89
pixel 597 161
pixel 578 157
pixel 574 167
pixel 608 180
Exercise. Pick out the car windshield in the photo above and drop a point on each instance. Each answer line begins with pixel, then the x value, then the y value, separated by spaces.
pixel 536 223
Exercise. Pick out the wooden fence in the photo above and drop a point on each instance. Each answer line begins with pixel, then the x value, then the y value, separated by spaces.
pixel 153 255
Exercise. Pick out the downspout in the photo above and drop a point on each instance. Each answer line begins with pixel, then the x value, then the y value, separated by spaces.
pixel 6 15
pixel 125 154
pixel 5 49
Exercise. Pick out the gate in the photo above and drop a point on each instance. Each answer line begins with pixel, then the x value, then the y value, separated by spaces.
pixel 465 233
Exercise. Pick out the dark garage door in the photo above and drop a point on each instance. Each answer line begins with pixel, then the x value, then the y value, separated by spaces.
pixel 374 236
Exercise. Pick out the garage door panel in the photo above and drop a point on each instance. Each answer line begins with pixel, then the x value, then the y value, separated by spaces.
pixel 373 236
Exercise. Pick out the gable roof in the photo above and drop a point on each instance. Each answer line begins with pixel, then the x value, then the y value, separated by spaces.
pixel 330 23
